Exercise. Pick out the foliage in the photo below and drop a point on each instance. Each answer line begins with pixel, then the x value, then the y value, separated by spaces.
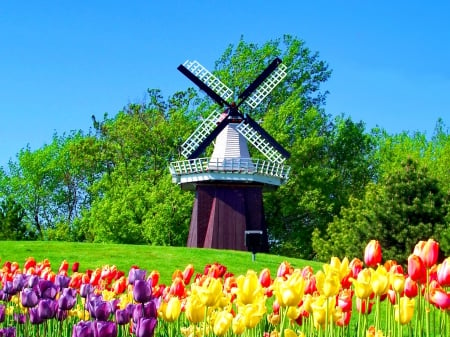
pixel 405 207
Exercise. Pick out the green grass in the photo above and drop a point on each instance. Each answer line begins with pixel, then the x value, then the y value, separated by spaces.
pixel 164 259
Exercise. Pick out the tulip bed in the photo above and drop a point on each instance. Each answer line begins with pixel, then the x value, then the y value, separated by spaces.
pixel 344 298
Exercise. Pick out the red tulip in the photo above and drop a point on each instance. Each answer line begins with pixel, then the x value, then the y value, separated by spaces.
pixel 428 251
pixel 154 276
pixel 411 288
pixel 443 273
pixel 356 265
pixel 63 268
pixel 416 269
pixel 344 320
pixel 264 278
pixel 344 300
pixel 187 273
pixel 372 254
pixel 75 267
pixel 284 269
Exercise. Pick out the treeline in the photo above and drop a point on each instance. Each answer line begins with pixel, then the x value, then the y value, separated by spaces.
pixel 347 184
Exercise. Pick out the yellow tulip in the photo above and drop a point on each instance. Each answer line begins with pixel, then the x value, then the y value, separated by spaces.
pixel 289 292
pixel 328 284
pixel 170 311
pixel 222 322
pixel 380 280
pixel 363 288
pixel 397 282
pixel 238 324
pixel 210 292
pixel 195 308
pixel 292 333
pixel 248 288
pixel 252 313
pixel 293 313
pixel 341 268
pixel 404 311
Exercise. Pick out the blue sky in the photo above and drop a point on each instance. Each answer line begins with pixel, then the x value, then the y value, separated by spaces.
pixel 62 62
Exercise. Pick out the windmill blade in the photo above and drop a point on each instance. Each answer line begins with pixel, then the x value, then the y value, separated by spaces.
pixel 260 139
pixel 264 84
pixel 206 81
pixel 209 138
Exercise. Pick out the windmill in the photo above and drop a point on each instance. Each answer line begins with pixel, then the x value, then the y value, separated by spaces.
pixel 228 207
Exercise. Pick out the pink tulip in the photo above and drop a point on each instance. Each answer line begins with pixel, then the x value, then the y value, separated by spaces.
pixel 372 254
pixel 438 296
pixel 428 251
pixel 416 269
pixel 443 273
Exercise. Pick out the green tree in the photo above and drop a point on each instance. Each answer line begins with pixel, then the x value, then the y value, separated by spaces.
pixel 405 207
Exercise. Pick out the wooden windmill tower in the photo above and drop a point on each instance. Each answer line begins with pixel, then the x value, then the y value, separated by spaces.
pixel 229 185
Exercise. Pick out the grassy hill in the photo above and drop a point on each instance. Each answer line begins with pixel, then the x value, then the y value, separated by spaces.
pixel 164 259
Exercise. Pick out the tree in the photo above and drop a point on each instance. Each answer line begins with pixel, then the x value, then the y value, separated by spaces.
pixel 405 207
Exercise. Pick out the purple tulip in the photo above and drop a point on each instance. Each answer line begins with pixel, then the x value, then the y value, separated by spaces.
pixel 146 327
pixel 9 288
pixel 123 316
pixel 35 318
pixel 99 309
pixel 4 296
pixel 83 329
pixel 29 298
pixel 61 315
pixel 105 329
pixel 136 274
pixel 142 291
pixel 47 289
pixel 8 332
pixel 19 318
pixel 19 281
pixel 68 299
pixel 47 308
pixel 33 281
pixel 2 313
pixel 86 289
pixel 62 281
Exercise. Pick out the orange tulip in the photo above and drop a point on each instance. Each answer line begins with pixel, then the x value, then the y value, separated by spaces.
pixel 428 251
pixel 372 254
pixel 443 273
pixel 416 269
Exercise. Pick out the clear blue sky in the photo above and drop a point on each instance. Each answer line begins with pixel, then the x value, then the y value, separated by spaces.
pixel 62 62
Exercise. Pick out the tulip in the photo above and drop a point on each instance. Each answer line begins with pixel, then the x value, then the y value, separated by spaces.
pixel 178 288
pixel 63 268
pixel 363 288
pixel 397 282
pixel 170 311
pixel 62 281
pixel 99 309
pixel 47 308
pixel 372 254
pixel 328 284
pixel 68 299
pixel 61 315
pixel 411 288
pixel 355 265
pixel 438 296
pixel 264 278
pixel 2 313
pixel 210 292
pixel 344 300
pixel 248 289
pixel 428 251
pixel 142 291
pixel 195 308
pixel 372 332
pixel 105 329
pixel 289 292
pixel 47 289
pixel 75 267
pixel 29 298
pixel 344 318
pixel 222 323
pixel 284 269
pixel 19 318
pixel 83 329
pixel 146 327
pixel 416 269
pixel 238 324
pixel 187 273
pixel 119 286
pixel 443 273
pixel 136 274
pixel 380 281
pixel 404 310
pixel 215 270
pixel 122 316
pixel 35 318
pixel 252 313
pixel 319 309
pixel 86 289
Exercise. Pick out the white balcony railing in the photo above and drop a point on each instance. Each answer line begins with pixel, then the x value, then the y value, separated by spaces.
pixel 230 165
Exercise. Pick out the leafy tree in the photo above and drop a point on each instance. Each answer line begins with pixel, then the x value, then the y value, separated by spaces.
pixel 12 226
pixel 405 207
